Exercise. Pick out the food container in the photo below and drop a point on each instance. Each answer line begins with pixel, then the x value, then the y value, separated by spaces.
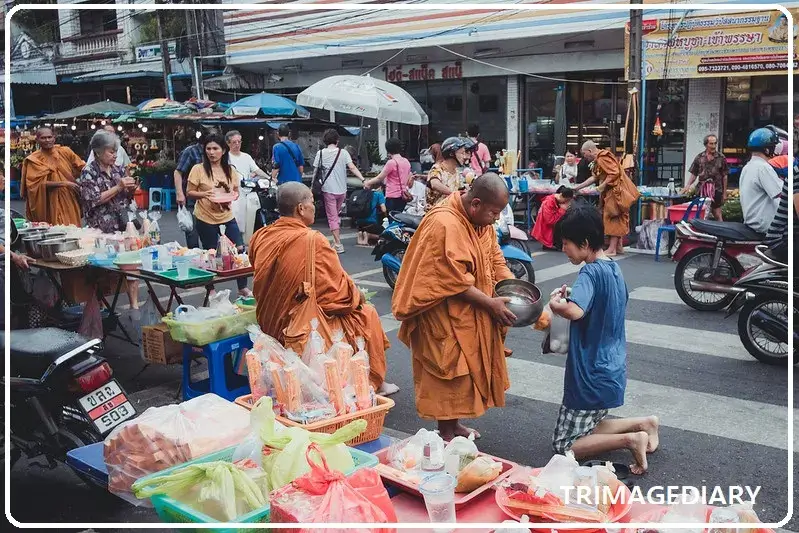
pixel 526 302
pixel 31 244
pixel 49 248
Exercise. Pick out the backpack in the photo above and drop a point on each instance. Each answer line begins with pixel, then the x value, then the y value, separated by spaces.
pixel 359 204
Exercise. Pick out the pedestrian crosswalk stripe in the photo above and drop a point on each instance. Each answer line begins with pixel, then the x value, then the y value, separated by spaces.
pixel 565 269
pixel 656 294
pixel 721 416
pixel 696 341
pixel 366 273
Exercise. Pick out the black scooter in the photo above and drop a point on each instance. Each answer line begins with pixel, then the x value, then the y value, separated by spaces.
pixel 763 305
pixel 63 395
pixel 267 201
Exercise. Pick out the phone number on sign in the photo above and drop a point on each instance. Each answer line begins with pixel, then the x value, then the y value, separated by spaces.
pixel 746 67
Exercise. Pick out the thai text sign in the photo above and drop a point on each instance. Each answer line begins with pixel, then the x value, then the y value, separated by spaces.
pixel 734 44
pixel 423 72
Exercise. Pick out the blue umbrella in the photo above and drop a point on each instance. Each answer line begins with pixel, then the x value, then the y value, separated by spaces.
pixel 269 105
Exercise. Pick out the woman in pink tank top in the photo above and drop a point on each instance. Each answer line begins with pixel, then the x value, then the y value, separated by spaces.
pixel 396 175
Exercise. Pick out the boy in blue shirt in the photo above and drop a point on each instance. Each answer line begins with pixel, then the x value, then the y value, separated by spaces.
pixel 288 163
pixel 596 365
pixel 372 226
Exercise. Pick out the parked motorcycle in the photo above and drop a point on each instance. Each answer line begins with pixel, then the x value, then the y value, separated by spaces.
pixel 261 202
pixel 707 261
pixel 63 395
pixel 394 240
pixel 763 305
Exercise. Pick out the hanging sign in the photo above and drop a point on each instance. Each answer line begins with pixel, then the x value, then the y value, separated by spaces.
pixel 731 44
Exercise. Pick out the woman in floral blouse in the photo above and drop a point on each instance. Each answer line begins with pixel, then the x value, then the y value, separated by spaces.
pixel 445 177
pixel 105 193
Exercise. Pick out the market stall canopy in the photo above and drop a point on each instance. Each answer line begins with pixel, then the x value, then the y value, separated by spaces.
pixel 364 96
pixel 100 109
pixel 157 103
pixel 267 105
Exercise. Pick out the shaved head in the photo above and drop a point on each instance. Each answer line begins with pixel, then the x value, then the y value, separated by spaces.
pixel 290 195
pixel 44 131
pixel 588 145
pixel 590 150
pixel 45 138
pixel 486 199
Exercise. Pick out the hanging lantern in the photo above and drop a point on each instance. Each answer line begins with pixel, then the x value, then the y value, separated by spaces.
pixel 657 130
pixel 93 126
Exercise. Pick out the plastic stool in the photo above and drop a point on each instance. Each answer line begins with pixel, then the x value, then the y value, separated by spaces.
pixel 13 190
pixel 168 195
pixel 698 203
pixel 222 380
pixel 156 198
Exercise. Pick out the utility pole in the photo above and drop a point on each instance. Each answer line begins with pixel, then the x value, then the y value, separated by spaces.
pixel 165 60
pixel 636 73
pixel 192 40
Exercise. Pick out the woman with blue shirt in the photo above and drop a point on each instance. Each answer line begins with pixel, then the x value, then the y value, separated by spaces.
pixel 372 226
pixel 596 364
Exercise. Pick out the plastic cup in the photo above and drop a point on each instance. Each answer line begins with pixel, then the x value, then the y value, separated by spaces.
pixel 183 269
pixel 146 259
pixel 438 491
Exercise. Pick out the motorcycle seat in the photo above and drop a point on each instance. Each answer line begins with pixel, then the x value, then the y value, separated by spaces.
pixel 33 350
pixel 731 231
pixel 411 221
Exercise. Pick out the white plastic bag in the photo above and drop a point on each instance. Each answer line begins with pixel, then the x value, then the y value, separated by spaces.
pixel 559 330
pixel 185 220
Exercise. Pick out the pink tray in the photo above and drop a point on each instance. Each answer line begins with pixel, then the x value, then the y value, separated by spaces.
pixel 223 198
pixel 460 498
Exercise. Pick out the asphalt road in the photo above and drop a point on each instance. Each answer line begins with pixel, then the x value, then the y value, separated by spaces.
pixel 724 415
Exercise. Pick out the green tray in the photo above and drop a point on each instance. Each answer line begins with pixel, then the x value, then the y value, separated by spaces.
pixel 19 222
pixel 195 275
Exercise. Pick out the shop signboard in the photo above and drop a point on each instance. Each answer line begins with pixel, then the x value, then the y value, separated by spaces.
pixel 424 72
pixel 148 53
pixel 720 45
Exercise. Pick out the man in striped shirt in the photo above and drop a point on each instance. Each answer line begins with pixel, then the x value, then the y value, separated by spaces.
pixel 777 235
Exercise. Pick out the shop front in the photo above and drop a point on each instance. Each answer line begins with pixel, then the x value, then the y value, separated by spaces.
pixel 724 75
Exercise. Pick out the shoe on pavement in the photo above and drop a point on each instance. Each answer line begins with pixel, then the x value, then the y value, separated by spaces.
pixel 387 389
pixel 339 248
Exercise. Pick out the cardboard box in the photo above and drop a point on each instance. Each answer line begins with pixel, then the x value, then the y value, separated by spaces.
pixel 159 348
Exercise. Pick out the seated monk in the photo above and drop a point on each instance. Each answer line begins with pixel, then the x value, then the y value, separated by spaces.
pixel 451 322
pixel 287 283
pixel 49 182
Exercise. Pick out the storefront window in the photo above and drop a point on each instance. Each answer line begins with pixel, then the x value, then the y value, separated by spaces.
pixel 487 106
pixel 595 111
pixel 666 101
pixel 540 103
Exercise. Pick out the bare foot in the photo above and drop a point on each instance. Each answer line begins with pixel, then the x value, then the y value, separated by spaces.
pixel 610 254
pixel 652 428
pixel 637 444
pixel 463 431
pixel 508 352
pixel 387 389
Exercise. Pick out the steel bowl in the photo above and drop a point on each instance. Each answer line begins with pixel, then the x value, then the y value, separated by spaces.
pixel 55 234
pixel 51 247
pixel 526 302
pixel 31 244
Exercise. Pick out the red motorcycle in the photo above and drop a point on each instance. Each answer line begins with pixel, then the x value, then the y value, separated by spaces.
pixel 707 261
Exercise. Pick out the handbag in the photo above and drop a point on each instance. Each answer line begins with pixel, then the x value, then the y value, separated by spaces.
pixel 295 335
pixel 318 181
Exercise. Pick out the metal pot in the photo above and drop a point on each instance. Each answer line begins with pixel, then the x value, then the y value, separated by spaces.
pixel 51 247
pixel 55 234
pixel 527 304
pixel 32 245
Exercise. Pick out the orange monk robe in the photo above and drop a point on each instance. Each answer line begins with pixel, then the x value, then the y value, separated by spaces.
pixel 609 172
pixel 459 367
pixel 278 254
pixel 56 205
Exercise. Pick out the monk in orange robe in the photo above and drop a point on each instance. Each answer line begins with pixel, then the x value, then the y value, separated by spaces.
pixel 453 325
pixel 608 174
pixel 291 289
pixel 48 182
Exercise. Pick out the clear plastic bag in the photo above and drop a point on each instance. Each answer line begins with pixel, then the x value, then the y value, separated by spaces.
pixel 91 325
pixel 315 345
pixel 341 352
pixel 306 401
pixel 167 436
pixel 477 473
pixel 221 302
pixel 460 452
pixel 155 228
pixel 185 220
pixel 559 329
pixel 359 377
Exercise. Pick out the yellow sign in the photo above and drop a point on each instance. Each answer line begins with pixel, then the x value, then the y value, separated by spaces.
pixel 731 44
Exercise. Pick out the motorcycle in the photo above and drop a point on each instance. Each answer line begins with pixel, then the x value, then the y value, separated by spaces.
pixel 707 261
pixel 261 205
pixel 396 237
pixel 763 306
pixel 63 395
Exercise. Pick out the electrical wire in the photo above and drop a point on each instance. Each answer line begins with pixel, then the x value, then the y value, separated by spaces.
pixel 538 76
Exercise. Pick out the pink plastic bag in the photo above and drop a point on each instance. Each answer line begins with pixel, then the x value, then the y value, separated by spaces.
pixel 91 326
pixel 327 496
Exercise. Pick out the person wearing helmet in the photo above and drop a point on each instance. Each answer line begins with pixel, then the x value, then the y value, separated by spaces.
pixel 445 176
pixel 760 185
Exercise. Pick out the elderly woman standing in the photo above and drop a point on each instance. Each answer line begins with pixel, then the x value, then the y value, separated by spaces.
pixel 105 193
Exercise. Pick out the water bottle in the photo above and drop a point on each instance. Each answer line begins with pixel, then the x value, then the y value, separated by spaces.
pixel 672 189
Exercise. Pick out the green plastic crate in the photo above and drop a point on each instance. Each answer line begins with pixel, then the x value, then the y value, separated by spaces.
pixel 172 511
pixel 204 333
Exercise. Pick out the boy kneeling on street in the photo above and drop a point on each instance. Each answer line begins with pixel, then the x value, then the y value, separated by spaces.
pixel 596 365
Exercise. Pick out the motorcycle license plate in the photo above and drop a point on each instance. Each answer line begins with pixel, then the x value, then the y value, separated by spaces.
pixel 107 407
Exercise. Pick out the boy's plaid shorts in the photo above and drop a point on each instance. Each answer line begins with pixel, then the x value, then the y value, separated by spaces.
pixel 573 424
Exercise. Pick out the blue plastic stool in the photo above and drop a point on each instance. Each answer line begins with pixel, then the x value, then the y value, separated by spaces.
pixel 168 194
pixel 671 228
pixel 156 198
pixel 13 190
pixel 222 380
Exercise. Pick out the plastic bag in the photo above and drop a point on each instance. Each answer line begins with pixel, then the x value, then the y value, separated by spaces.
pixel 221 302
pixel 170 435
pixel 324 496
pixel 306 401
pixel 315 345
pixel 155 228
pixel 91 326
pixel 225 250
pixel 557 338
pixel 359 377
pixel 149 317
pixel 458 453
pixel 251 448
pixel 477 473
pixel 409 454
pixel 265 350
pixel 341 352
pixel 224 491
pixel 284 448
pixel 185 220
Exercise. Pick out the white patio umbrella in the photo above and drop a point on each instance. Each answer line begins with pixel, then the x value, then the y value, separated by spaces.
pixel 364 96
